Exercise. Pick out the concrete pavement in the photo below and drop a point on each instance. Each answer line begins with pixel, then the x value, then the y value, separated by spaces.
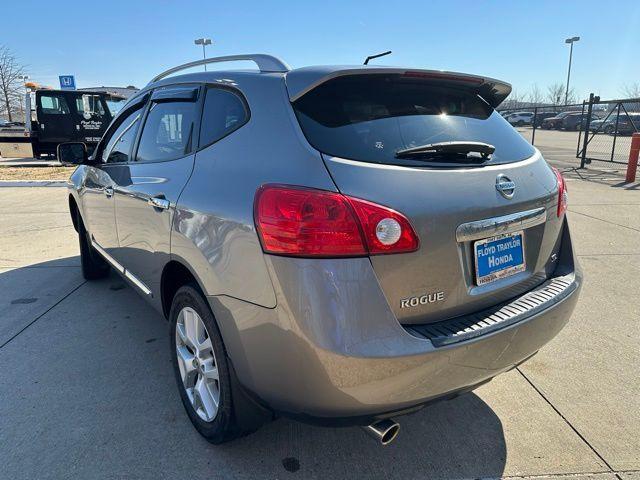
pixel 86 388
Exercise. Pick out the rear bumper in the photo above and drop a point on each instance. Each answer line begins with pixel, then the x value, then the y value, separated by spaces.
pixel 332 351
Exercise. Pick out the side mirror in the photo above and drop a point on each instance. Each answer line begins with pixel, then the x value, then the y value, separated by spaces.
pixel 72 153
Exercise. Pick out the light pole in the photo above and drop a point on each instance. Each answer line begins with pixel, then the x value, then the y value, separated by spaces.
pixel 204 42
pixel 570 41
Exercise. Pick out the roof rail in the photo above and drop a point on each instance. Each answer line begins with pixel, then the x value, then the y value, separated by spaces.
pixel 266 63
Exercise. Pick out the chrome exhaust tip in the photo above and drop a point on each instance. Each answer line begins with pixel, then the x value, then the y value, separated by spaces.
pixel 385 431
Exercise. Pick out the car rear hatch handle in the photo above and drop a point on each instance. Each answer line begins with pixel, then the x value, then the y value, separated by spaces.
pixel 490 227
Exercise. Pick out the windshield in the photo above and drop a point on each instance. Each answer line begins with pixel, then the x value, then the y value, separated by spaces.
pixel 370 117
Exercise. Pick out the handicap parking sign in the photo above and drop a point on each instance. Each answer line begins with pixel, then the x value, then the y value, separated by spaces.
pixel 67 82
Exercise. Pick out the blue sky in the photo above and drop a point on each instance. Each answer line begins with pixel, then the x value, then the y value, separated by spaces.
pixel 127 42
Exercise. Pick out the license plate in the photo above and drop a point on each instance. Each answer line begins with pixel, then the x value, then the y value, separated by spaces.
pixel 498 257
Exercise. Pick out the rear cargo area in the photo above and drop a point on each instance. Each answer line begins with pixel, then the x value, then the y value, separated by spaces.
pixel 508 200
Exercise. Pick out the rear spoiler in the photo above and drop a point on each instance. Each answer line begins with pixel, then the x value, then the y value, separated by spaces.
pixel 302 80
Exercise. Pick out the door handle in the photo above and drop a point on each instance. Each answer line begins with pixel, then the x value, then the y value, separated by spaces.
pixel 159 202
pixel 108 191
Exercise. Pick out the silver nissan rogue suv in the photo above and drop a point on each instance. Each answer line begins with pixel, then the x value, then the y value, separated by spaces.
pixel 337 244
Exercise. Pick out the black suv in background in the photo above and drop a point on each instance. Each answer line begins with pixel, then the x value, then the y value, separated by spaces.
pixel 555 123
pixel 541 117
pixel 573 120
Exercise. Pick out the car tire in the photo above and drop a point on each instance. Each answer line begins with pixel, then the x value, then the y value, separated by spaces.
pixel 520 123
pixel 93 265
pixel 198 384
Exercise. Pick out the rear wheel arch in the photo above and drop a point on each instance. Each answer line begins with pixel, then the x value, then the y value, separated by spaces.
pixel 74 212
pixel 174 276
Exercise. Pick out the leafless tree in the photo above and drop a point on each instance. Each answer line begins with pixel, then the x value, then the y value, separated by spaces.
pixel 535 95
pixel 11 73
pixel 555 93
pixel 514 101
pixel 631 90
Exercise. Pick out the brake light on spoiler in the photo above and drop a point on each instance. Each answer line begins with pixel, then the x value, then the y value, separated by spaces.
pixel 306 222
pixel 445 76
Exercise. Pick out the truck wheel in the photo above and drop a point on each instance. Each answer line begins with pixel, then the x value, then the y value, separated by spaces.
pixel 201 368
pixel 93 265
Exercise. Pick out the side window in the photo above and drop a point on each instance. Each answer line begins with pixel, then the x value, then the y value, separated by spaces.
pixel 90 106
pixel 118 147
pixel 223 112
pixel 167 132
pixel 53 105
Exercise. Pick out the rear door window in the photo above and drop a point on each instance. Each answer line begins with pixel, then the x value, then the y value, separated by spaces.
pixel 370 117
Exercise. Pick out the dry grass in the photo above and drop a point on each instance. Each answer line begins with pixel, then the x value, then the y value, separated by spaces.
pixel 35 173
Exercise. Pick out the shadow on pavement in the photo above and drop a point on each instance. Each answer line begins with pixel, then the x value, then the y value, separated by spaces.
pixel 88 391
pixel 611 178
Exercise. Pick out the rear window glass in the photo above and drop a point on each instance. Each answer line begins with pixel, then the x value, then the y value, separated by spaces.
pixel 371 117
pixel 223 113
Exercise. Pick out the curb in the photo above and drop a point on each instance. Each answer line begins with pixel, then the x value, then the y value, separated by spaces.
pixel 33 183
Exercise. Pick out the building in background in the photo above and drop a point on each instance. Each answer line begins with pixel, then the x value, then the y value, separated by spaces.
pixel 126 92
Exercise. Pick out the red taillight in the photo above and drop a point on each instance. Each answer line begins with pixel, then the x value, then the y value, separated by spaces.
pixel 385 230
pixel 305 222
pixel 562 192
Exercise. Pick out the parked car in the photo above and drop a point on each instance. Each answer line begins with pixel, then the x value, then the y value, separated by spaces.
pixel 625 124
pixel 542 116
pixel 573 121
pixel 555 123
pixel 300 274
pixel 598 124
pixel 520 118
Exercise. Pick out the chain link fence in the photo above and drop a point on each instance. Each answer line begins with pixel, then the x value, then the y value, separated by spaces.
pixel 606 136
pixel 579 134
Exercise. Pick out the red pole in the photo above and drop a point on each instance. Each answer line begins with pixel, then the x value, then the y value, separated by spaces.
pixel 633 158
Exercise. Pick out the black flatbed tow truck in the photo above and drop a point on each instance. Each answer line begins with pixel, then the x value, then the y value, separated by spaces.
pixel 57 116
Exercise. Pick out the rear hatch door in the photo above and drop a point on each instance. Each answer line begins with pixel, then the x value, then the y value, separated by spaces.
pixel 456 203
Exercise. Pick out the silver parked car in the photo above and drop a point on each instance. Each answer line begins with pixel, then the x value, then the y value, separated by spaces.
pixel 341 245
pixel 520 119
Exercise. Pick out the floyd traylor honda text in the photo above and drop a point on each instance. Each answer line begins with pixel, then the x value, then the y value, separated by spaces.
pixel 341 245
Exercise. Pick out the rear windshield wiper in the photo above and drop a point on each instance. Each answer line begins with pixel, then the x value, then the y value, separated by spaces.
pixel 442 149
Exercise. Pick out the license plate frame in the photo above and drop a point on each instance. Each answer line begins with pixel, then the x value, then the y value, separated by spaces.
pixel 489 273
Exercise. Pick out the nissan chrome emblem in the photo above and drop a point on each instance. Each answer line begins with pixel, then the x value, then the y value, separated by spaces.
pixel 505 186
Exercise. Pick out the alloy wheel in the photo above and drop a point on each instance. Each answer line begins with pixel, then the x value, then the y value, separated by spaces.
pixel 197 363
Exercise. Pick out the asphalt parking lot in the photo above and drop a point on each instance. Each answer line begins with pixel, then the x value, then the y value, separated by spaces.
pixel 86 388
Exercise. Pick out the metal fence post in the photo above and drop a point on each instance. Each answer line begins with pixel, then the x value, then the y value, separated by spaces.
pixel 535 120
pixel 615 133
pixel 585 140
pixel 580 132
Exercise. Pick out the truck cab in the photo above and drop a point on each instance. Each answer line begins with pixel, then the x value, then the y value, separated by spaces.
pixel 58 116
